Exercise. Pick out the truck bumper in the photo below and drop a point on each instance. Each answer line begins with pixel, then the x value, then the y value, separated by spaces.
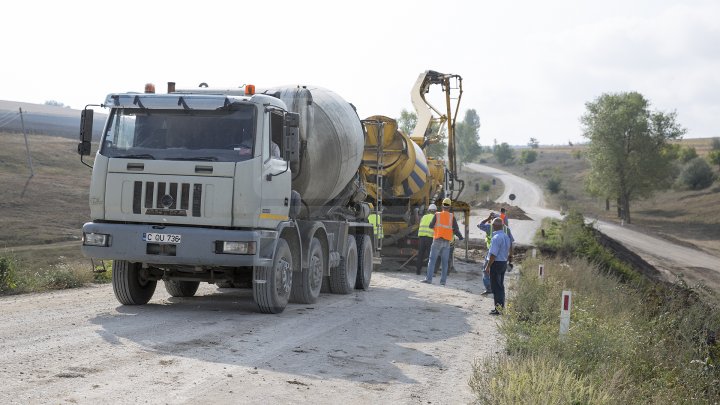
pixel 198 246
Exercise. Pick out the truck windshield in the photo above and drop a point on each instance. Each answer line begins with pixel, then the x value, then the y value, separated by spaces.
pixel 224 135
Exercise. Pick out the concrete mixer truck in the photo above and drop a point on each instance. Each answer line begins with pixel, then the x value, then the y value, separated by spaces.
pixel 401 178
pixel 229 186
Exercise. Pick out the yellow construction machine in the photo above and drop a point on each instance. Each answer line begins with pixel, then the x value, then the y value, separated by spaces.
pixel 400 178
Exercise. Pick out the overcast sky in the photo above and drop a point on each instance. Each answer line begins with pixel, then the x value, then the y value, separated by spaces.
pixel 528 67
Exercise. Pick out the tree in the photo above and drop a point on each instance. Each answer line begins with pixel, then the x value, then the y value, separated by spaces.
pixel 467 138
pixel 503 153
pixel 626 147
pixel 533 143
pixel 407 121
pixel 438 147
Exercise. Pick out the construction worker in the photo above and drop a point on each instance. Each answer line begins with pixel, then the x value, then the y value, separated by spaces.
pixel 504 216
pixel 425 237
pixel 374 219
pixel 444 225
pixel 486 227
pixel 497 261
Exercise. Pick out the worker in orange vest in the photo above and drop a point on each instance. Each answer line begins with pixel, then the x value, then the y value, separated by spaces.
pixel 444 225
pixel 504 216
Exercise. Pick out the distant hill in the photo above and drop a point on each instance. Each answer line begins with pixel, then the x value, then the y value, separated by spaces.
pixel 45 119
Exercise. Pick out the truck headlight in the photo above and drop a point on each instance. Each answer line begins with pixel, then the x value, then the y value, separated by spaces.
pixel 236 248
pixel 96 239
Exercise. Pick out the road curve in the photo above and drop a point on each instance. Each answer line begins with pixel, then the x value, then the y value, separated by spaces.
pixel 528 196
pixel 694 264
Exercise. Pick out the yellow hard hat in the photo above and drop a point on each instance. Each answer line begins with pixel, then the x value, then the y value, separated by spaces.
pixel 371 206
pixel 446 202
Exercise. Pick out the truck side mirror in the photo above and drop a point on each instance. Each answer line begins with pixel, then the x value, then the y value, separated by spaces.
pixel 291 138
pixel 86 124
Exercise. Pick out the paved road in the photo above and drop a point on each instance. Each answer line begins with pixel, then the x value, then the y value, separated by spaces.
pixel 694 264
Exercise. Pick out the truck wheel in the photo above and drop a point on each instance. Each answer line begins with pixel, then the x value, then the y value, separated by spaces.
pixel 181 288
pixel 130 285
pixel 307 284
pixel 272 285
pixel 343 277
pixel 365 262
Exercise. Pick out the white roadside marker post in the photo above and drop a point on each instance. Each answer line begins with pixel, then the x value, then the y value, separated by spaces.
pixel 534 253
pixel 565 305
pixel 541 271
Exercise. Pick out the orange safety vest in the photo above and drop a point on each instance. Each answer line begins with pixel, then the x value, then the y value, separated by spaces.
pixel 443 225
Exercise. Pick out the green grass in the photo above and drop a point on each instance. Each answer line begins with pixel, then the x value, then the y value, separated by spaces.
pixel 630 340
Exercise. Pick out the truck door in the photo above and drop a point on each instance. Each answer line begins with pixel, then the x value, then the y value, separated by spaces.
pixel 276 181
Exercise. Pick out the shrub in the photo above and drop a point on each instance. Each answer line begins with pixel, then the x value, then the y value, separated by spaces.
pixel 697 174
pixel 714 157
pixel 528 156
pixel 715 144
pixel 687 154
pixel 7 274
pixel 61 276
pixel 554 184
pixel 577 154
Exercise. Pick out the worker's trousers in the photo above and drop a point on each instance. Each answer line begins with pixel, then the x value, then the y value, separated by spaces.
pixel 424 243
pixel 440 247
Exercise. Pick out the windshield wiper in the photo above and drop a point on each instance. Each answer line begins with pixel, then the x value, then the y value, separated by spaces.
pixel 138 156
pixel 203 158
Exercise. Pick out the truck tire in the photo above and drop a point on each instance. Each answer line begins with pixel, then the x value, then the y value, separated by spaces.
pixel 181 288
pixel 307 283
pixel 272 285
pixel 343 277
pixel 365 262
pixel 129 285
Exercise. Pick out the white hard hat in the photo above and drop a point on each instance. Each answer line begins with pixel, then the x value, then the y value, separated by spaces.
pixel 432 207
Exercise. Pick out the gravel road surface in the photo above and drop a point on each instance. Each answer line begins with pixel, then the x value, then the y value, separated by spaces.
pixel 401 342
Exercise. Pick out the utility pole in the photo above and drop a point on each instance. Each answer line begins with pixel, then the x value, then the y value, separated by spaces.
pixel 27 147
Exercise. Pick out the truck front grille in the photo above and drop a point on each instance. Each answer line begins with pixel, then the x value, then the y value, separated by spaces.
pixel 160 198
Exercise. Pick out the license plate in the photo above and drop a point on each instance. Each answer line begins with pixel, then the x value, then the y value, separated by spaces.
pixel 161 237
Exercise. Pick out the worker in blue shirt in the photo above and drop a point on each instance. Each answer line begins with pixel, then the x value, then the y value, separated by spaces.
pixel 496 264
pixel 486 227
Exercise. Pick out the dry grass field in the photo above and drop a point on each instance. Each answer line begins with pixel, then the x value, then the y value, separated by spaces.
pixel 38 214
pixel 683 216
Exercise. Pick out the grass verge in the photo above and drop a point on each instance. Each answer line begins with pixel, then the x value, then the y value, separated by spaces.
pixel 630 340
pixel 47 269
